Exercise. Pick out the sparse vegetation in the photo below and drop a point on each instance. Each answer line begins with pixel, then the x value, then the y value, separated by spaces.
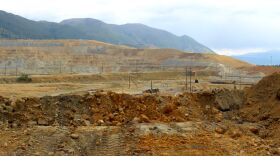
pixel 24 78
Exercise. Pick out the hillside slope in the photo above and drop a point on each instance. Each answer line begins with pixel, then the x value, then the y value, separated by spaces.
pixel 135 35
pixel 89 56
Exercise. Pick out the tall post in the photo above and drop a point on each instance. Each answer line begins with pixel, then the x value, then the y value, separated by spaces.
pixel 60 64
pixel 186 78
pixel 136 66
pixel 16 70
pixel 5 73
pixel 151 85
pixel 102 67
pixel 129 79
pixel 240 81
pixel 190 79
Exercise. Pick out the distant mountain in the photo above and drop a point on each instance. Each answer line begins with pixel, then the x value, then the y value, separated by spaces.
pixel 263 58
pixel 13 26
pixel 135 35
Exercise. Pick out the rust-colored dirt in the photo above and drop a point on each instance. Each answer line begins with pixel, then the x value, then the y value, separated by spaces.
pixel 220 122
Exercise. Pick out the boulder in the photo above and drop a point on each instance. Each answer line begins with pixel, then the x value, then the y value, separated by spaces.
pixel 43 122
pixel 144 118
pixel 74 136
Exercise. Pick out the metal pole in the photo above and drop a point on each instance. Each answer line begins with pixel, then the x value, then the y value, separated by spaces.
pixel 102 68
pixel 129 79
pixel 190 79
pixel 16 70
pixel 240 81
pixel 151 85
pixel 60 71
pixel 186 78
pixel 136 66
pixel 5 69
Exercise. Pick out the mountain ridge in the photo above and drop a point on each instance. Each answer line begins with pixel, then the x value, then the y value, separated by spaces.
pixel 131 34
pixel 271 57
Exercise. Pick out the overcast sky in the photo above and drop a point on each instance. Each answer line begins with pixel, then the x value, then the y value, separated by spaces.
pixel 227 26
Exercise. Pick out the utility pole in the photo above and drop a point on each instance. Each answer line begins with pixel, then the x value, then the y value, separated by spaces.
pixel 102 67
pixel 151 85
pixel 5 69
pixel 240 80
pixel 129 79
pixel 16 70
pixel 60 64
pixel 186 78
pixel 136 66
pixel 190 79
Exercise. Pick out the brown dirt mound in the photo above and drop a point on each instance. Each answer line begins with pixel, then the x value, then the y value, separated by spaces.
pixel 262 106
pixel 262 101
pixel 106 108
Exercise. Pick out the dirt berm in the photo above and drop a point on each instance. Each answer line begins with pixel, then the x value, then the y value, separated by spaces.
pixel 262 106
pixel 108 108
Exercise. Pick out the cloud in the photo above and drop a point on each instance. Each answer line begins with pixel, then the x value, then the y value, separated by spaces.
pixel 219 24
pixel 232 52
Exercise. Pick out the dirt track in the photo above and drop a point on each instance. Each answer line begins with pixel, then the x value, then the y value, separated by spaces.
pixel 221 122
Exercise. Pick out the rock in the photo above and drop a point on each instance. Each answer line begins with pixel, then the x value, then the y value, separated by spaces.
pixel 31 123
pixel 136 120
pixel 43 122
pixel 153 128
pixel 14 125
pixel 235 134
pixel 254 129
pixel 9 108
pixel 278 94
pixel 71 150
pixel 144 118
pixel 220 130
pixel 131 129
pixel 74 136
pixel 87 123
pixel 51 153
pixel 223 107
pixel 111 117
pixel 274 151
pixel 219 117
pixel 60 153
pixel 118 124
pixel 100 122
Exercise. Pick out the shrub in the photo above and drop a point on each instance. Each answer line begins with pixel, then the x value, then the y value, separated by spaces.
pixel 24 78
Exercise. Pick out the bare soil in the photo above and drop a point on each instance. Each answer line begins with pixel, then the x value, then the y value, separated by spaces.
pixel 213 122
